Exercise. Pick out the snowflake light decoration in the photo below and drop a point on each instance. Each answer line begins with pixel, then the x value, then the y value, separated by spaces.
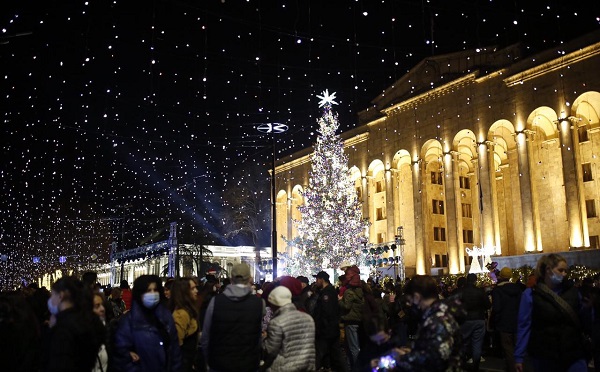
pixel 327 99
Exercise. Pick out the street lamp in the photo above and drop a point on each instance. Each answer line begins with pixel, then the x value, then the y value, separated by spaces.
pixel 400 258
pixel 273 128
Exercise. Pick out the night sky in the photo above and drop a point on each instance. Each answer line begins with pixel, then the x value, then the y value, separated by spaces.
pixel 121 116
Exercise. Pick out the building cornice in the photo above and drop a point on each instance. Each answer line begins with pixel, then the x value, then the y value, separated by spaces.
pixel 352 141
pixel 431 94
pixel 553 65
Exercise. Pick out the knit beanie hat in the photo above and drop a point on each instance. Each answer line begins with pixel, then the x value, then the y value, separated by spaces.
pixel 280 296
pixel 506 273
pixel 291 283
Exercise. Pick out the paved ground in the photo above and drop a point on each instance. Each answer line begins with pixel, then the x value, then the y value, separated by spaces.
pixel 492 364
pixel 496 364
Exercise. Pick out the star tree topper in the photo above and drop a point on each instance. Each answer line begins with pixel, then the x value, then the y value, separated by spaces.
pixel 327 99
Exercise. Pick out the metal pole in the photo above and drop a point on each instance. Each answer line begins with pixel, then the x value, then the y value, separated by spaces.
pixel 401 259
pixel 400 241
pixel 122 247
pixel 273 128
pixel 274 216
pixel 122 242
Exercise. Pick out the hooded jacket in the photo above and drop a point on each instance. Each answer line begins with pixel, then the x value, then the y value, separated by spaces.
pixel 231 335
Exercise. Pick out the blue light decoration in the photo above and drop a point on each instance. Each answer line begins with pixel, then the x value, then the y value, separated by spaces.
pixel 62 259
pixel 36 260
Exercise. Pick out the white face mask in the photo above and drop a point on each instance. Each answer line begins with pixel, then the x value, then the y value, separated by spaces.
pixel 150 299
pixel 556 278
pixel 52 308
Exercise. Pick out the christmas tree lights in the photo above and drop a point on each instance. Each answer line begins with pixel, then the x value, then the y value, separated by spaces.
pixel 332 224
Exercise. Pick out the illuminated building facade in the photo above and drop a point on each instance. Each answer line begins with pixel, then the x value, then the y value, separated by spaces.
pixel 486 148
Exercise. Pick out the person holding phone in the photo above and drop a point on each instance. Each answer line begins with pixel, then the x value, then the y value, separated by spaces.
pixel 437 346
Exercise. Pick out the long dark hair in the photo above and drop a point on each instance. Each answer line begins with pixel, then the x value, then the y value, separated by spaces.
pixel 425 285
pixel 548 261
pixel 140 286
pixel 181 297
pixel 76 292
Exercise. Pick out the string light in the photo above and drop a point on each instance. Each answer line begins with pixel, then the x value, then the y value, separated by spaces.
pixel 331 225
pixel 107 104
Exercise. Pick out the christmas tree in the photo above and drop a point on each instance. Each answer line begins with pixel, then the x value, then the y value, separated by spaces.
pixel 332 224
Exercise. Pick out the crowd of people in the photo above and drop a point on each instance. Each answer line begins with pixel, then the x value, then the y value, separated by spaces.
pixel 297 324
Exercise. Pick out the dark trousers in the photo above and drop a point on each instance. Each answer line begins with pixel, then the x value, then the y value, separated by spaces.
pixel 330 349
pixel 508 340
pixel 473 332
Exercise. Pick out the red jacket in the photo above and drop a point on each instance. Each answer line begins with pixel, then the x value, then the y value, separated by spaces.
pixel 126 297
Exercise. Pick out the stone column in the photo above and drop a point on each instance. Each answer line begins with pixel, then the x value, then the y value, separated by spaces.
pixel 458 214
pixel 397 198
pixel 365 202
pixel 389 205
pixel 484 189
pixel 450 213
pixel 289 206
pixel 569 167
pixel 422 265
pixel 529 236
pixel 580 189
pixel 476 204
pixel 494 195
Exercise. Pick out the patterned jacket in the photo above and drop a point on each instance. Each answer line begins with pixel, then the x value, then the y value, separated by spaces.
pixel 290 340
pixel 438 342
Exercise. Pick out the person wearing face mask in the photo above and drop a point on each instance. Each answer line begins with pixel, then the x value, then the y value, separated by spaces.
pixel 146 337
pixel 438 343
pixel 547 327
pixel 76 333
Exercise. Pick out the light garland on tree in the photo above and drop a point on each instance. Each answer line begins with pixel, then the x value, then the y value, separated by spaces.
pixel 332 224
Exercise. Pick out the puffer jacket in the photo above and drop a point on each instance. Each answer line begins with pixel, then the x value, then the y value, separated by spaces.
pixel 155 342
pixel 352 305
pixel 290 340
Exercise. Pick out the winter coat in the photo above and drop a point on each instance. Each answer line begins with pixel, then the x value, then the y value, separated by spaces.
pixel 187 332
pixel 352 304
pixel 291 340
pixel 554 336
pixel 73 342
pixel 186 325
pixel 505 306
pixel 438 343
pixel 126 297
pixel 475 302
pixel 155 341
pixel 231 336
pixel 327 314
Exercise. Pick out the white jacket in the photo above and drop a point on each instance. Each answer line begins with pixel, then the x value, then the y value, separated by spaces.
pixel 291 340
